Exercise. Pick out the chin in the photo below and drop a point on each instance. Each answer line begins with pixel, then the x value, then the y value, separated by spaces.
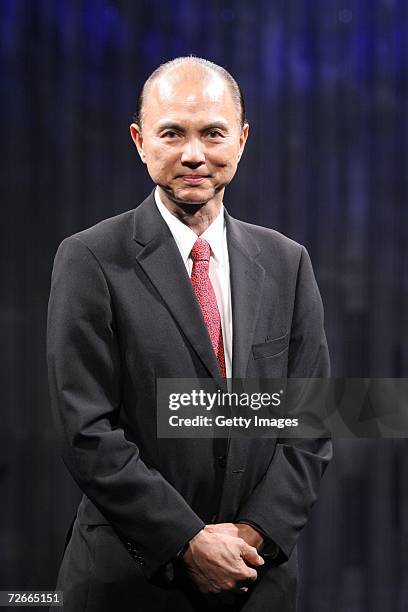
pixel 192 196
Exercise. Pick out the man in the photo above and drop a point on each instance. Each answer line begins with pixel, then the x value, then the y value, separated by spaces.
pixel 177 288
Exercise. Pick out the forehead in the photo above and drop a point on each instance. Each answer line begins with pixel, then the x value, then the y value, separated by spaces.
pixel 187 94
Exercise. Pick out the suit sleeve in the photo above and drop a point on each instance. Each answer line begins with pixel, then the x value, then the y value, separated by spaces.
pixel 281 502
pixel 84 378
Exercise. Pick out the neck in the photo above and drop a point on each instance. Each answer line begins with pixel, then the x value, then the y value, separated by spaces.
pixel 196 216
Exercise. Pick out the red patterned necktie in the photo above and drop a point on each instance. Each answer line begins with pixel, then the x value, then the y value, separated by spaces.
pixel 200 254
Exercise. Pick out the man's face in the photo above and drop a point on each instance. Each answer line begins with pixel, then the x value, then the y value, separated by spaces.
pixel 191 139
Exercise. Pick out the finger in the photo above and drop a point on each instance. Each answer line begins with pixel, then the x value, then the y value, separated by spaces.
pixel 225 530
pixel 241 590
pixel 242 586
pixel 250 554
pixel 250 574
pixel 229 528
pixel 245 574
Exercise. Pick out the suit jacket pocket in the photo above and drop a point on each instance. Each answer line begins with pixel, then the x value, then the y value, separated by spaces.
pixel 271 347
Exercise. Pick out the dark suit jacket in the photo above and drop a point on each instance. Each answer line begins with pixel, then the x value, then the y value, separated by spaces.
pixel 122 313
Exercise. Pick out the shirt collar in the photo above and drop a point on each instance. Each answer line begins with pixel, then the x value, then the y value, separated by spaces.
pixel 185 237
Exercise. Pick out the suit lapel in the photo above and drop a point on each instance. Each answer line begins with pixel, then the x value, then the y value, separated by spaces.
pixel 247 278
pixel 161 261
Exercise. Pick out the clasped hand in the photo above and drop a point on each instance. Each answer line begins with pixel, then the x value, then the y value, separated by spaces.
pixel 219 557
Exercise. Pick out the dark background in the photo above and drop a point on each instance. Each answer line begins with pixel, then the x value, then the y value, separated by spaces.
pixel 325 83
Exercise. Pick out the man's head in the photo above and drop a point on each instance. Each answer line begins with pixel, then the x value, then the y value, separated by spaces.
pixel 190 129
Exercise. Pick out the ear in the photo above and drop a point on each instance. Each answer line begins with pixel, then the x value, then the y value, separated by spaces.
pixel 242 139
pixel 136 135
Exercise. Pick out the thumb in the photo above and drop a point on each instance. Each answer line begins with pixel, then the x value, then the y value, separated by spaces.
pixel 250 554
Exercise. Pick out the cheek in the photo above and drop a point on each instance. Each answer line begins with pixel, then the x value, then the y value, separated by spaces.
pixel 225 157
pixel 160 158
pixel 226 163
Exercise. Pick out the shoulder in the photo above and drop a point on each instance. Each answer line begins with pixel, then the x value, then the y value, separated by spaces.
pixel 106 241
pixel 269 235
pixel 268 241
pixel 106 234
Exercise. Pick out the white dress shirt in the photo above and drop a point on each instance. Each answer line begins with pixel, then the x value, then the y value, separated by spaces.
pixel 219 271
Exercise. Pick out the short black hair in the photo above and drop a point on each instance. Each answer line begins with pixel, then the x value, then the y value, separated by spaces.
pixel 199 61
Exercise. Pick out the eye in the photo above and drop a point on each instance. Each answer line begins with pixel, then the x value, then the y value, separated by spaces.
pixel 214 134
pixel 171 134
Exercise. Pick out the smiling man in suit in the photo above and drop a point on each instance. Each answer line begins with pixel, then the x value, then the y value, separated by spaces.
pixel 177 288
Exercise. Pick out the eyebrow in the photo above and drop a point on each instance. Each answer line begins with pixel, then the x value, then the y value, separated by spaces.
pixel 177 127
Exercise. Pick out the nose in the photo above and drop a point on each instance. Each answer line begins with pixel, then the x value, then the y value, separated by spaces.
pixel 193 153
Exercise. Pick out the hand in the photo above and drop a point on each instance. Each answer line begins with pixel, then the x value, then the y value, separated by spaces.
pixel 252 536
pixel 215 560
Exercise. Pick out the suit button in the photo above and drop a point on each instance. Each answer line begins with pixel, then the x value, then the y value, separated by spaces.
pixel 222 461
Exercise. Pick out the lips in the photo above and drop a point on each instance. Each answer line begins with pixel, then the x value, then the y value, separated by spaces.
pixel 193 179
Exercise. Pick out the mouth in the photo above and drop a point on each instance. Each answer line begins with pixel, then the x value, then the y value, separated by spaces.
pixel 193 179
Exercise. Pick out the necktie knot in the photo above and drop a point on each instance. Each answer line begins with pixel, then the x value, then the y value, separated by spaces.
pixel 200 251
